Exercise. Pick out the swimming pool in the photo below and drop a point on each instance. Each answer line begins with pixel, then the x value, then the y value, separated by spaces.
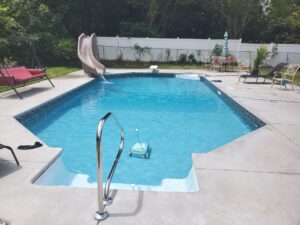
pixel 176 117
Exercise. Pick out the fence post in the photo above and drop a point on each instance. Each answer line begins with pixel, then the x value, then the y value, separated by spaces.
pixel 118 54
pixel 250 61
pixel 177 56
pixel 103 51
pixel 147 45
pixel 239 48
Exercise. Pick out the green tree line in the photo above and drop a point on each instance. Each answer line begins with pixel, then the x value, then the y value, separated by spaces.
pixel 54 25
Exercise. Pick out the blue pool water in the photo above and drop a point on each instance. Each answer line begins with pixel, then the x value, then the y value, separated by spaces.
pixel 177 117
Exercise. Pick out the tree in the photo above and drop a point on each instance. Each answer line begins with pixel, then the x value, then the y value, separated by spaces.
pixel 11 32
pixel 54 25
pixel 136 23
pixel 238 14
pixel 284 25
pixel 184 18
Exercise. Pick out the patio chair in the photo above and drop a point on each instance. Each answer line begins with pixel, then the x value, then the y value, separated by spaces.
pixel 12 152
pixel 247 73
pixel 273 71
pixel 20 75
pixel 216 63
pixel 229 62
pixel 287 77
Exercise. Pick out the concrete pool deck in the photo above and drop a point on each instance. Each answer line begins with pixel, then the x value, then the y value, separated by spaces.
pixel 252 180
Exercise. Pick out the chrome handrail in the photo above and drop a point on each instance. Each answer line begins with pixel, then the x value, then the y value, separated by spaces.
pixel 103 196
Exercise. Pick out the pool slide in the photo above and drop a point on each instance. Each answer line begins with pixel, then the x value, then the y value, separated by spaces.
pixel 85 51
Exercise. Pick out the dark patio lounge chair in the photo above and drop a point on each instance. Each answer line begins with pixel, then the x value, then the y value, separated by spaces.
pixel 20 75
pixel 253 74
pixel 273 72
pixel 12 152
pixel 256 74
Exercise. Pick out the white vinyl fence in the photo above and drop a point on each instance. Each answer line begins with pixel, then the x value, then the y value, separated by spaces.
pixel 170 49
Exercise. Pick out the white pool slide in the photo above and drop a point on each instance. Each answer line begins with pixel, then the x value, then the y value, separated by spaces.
pixel 86 53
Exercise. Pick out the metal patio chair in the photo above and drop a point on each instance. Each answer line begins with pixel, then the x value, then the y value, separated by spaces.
pixel 12 152
pixel 287 77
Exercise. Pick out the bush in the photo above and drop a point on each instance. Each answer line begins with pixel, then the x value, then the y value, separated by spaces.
pixel 120 56
pixel 52 50
pixel 3 48
pixel 132 29
pixel 140 51
pixel 191 58
pixel 231 59
pixel 182 58
pixel 168 55
pixel 64 49
pixel 218 50
pixel 260 57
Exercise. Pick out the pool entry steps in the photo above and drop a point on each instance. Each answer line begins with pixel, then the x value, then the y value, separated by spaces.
pixel 104 196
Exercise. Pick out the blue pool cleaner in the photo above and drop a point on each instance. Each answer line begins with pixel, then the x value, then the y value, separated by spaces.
pixel 140 149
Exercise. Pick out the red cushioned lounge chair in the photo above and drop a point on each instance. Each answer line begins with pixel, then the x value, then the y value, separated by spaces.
pixel 20 75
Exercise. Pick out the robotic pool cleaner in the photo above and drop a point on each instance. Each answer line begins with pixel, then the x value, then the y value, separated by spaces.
pixel 140 149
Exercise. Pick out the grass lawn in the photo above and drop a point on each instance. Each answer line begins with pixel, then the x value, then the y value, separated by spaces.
pixel 60 71
pixel 51 71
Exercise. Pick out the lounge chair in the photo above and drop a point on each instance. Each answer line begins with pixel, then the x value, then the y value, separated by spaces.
pixel 256 74
pixel 12 152
pixel 274 71
pixel 251 74
pixel 243 69
pixel 20 75
pixel 287 77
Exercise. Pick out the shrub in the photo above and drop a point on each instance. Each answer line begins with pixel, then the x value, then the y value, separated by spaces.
pixel 64 48
pixel 3 48
pixel 120 55
pixel 218 50
pixel 260 57
pixel 231 59
pixel 141 51
pixel 191 58
pixel 168 55
pixel 133 29
pixel 182 58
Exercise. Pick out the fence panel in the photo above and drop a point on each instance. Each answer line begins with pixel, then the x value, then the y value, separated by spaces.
pixel 293 58
pixel 174 55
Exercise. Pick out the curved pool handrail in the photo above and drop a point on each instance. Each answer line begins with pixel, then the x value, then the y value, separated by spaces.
pixel 103 196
